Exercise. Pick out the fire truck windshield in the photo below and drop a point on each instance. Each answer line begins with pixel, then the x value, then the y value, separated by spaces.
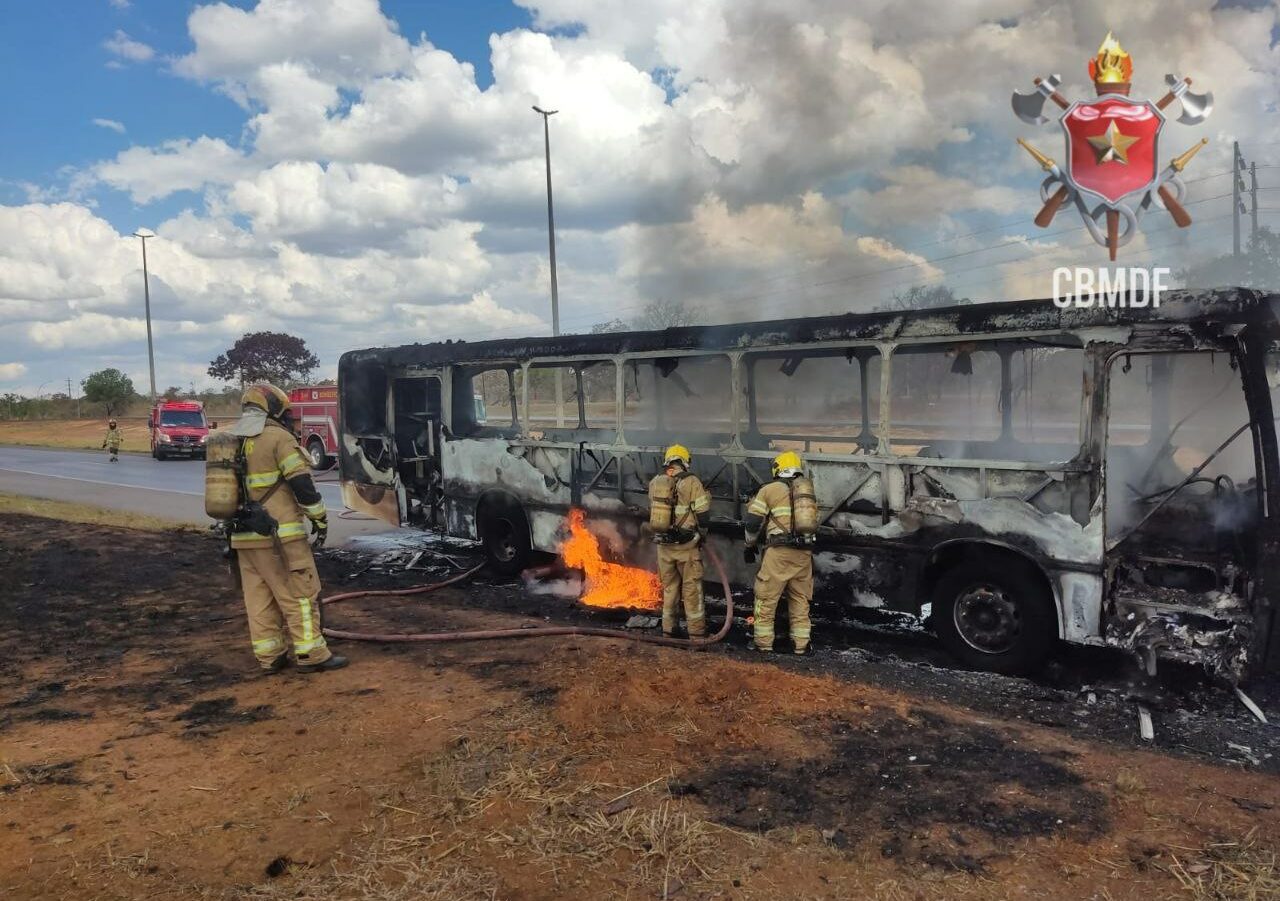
pixel 189 418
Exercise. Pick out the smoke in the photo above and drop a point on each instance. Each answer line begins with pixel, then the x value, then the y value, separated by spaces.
pixel 1168 413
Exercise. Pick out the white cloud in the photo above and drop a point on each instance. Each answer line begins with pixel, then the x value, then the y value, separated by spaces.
pixel 11 372
pixel 756 157
pixel 111 124
pixel 120 4
pixel 148 174
pixel 126 48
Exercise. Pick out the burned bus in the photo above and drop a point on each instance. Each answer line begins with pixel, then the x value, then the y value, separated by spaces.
pixel 1016 472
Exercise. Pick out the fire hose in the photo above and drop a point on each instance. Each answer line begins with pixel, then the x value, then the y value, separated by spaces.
pixel 533 632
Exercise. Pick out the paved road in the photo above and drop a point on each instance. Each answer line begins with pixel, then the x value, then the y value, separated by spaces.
pixel 170 489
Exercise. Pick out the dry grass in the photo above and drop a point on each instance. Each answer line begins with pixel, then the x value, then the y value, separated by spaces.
pixel 83 513
pixel 83 434
pixel 504 803
pixel 1129 785
pixel 1244 870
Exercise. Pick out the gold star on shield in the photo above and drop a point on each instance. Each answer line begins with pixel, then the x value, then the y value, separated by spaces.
pixel 1112 145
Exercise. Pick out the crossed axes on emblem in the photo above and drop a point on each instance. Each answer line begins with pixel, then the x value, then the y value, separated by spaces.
pixel 1028 106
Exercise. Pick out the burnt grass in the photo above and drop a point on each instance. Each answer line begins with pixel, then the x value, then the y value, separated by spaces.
pixel 211 715
pixel 941 793
pixel 76 598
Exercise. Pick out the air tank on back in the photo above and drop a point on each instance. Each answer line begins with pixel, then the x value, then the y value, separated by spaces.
pixel 221 482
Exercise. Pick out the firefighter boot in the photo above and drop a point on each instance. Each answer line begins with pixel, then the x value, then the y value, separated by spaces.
pixel 334 661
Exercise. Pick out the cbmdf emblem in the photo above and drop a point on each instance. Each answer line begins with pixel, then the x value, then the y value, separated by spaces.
pixel 1111 168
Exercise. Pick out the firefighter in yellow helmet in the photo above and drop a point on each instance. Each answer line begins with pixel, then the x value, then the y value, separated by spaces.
pixel 676 500
pixel 788 559
pixel 277 570
pixel 113 440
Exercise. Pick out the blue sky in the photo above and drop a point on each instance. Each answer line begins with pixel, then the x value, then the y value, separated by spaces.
pixel 746 158
pixel 49 123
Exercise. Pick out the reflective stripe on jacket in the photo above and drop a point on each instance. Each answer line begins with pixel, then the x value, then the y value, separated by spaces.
pixel 270 457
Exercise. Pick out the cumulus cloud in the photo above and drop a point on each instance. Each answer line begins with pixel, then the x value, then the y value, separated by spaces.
pixel 11 372
pixel 149 174
pixel 126 48
pixel 110 124
pixel 751 158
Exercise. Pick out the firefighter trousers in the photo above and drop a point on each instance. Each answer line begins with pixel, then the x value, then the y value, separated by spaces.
pixel 789 570
pixel 680 569
pixel 279 594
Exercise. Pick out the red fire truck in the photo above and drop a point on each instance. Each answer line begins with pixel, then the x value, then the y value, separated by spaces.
pixel 316 409
pixel 178 429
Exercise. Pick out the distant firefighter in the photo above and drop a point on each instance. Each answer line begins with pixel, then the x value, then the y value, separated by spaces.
pixel 113 440
pixel 676 500
pixel 257 477
pixel 783 515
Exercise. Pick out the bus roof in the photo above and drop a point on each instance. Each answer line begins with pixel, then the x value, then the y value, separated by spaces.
pixel 1221 306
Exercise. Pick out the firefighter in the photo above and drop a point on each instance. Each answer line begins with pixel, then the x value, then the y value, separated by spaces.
pixel 113 440
pixel 677 498
pixel 787 565
pixel 277 570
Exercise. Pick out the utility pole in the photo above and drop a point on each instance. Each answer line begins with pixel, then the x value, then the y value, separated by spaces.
pixel 146 293
pixel 1237 185
pixel 1253 199
pixel 551 239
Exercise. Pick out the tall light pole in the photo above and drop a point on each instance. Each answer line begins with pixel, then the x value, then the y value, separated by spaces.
pixel 146 294
pixel 551 239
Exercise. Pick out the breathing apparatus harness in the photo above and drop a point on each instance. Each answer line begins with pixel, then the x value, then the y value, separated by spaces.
pixel 675 534
pixel 789 537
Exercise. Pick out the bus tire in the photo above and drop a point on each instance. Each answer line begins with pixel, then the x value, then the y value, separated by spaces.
pixel 504 532
pixel 320 461
pixel 995 614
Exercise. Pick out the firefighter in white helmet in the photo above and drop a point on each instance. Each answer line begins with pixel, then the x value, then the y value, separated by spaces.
pixel 277 570
pixel 676 500
pixel 787 566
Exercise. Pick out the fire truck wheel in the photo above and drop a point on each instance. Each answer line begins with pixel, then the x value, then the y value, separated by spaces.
pixel 995 614
pixel 319 459
pixel 505 534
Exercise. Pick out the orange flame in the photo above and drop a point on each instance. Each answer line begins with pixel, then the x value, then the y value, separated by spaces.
pixel 608 584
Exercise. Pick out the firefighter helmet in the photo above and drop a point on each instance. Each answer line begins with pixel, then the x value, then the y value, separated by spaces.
pixel 787 464
pixel 111 423
pixel 676 453
pixel 267 397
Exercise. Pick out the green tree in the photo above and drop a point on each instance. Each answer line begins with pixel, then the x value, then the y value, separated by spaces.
pixel 925 297
pixel 109 387
pixel 659 314
pixel 1258 266
pixel 265 356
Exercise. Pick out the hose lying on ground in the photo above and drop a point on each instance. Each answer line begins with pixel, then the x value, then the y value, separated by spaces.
pixel 535 632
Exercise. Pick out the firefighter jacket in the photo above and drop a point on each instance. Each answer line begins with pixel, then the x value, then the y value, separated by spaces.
pixel 768 518
pixel 691 501
pixel 270 457
pixel 114 438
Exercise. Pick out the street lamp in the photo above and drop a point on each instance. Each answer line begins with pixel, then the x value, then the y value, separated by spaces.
pixel 146 294
pixel 551 239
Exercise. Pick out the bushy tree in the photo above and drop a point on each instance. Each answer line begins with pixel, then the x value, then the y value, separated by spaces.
pixel 109 387
pixel 925 297
pixel 1258 266
pixel 659 314
pixel 265 356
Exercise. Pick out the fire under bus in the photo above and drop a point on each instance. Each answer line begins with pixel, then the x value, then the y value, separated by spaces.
pixel 1014 473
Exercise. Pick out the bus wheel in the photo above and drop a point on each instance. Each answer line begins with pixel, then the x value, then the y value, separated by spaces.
pixel 505 535
pixel 319 459
pixel 994 616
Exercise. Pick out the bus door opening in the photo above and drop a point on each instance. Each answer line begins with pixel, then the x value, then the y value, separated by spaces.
pixel 418 411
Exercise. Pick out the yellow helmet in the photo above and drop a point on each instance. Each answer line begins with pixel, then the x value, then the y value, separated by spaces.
pixel 787 464
pixel 676 452
pixel 267 397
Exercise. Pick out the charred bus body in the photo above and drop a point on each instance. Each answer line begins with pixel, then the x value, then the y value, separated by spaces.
pixel 1104 477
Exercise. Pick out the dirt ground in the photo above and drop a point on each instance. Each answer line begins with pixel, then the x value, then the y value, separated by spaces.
pixel 141 755
pixel 85 434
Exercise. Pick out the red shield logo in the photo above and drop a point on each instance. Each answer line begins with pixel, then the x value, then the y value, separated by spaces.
pixel 1111 145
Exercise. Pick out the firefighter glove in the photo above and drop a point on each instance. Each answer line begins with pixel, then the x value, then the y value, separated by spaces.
pixel 320 530
pixel 749 555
